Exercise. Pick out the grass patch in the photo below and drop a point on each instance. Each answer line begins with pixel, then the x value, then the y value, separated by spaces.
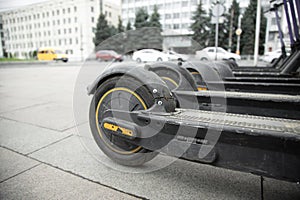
pixel 15 59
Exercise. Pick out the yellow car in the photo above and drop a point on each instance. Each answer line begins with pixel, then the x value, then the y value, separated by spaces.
pixel 51 54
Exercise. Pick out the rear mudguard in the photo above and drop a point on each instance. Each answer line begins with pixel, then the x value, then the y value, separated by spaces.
pixel 152 81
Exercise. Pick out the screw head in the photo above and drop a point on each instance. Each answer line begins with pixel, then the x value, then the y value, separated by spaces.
pixel 154 91
pixel 160 103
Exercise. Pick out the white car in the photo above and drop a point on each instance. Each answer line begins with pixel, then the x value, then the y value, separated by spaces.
pixel 149 55
pixel 272 56
pixel 176 56
pixel 210 53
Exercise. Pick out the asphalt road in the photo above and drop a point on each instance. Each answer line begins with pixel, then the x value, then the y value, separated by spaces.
pixel 47 154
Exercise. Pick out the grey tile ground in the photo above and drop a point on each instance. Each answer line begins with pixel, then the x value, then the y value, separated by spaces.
pixel 26 138
pixel 44 182
pixel 275 189
pixel 13 164
pixel 181 180
pixel 54 116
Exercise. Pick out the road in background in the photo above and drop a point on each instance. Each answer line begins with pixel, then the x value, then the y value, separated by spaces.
pixel 42 156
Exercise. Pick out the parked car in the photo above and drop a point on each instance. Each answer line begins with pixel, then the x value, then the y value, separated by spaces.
pixel 108 55
pixel 272 56
pixel 210 53
pixel 149 55
pixel 176 56
pixel 51 54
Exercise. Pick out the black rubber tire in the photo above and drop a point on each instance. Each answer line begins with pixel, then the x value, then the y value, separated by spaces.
pixel 231 59
pixel 204 58
pixel 159 59
pixel 138 60
pixel 128 158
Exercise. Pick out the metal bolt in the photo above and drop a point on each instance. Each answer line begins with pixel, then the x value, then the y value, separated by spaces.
pixel 160 103
pixel 154 91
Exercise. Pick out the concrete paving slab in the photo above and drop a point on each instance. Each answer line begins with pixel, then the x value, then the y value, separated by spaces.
pixel 26 138
pixel 13 164
pixel 180 180
pixel 44 182
pixel 275 189
pixel 54 116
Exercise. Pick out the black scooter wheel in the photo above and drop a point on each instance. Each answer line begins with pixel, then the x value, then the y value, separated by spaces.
pixel 121 93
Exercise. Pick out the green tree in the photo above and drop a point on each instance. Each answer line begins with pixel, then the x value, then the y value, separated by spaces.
pixel 200 26
pixel 113 30
pixel 233 17
pixel 128 26
pixel 141 19
pixel 248 27
pixel 120 26
pixel 103 30
pixel 154 19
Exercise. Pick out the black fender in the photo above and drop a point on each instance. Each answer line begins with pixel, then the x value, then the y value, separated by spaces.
pixel 184 79
pixel 207 73
pixel 223 68
pixel 152 81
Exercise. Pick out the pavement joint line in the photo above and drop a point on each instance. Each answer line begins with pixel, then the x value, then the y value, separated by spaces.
pixel 64 130
pixel 17 109
pixel 20 172
pixel 48 145
pixel 74 174
pixel 52 129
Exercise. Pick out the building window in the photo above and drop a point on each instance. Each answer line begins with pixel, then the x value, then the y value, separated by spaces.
pixel 176 26
pixel 59 42
pixel 64 11
pixel 69 10
pixel 76 29
pixel 53 13
pixel 93 20
pixel 70 41
pixel 75 9
pixel 176 15
pixel 70 30
pixel 69 20
pixel 57 12
pixel 64 20
pixel 76 40
pixel 92 9
pixel 58 31
pixel 58 22
pixel 168 16
pixel 65 31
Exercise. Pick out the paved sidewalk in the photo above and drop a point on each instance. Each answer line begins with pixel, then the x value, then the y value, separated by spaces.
pixel 43 157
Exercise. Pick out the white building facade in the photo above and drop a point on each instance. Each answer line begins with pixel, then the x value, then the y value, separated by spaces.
pixel 175 16
pixel 272 34
pixel 63 24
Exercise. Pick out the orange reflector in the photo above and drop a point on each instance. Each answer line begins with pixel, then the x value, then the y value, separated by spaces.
pixel 202 88
pixel 119 129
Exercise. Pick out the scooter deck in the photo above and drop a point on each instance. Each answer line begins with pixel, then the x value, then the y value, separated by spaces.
pixel 261 145
pixel 238 122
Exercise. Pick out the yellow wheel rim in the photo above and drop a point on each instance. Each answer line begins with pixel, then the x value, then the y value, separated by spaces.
pixel 97 112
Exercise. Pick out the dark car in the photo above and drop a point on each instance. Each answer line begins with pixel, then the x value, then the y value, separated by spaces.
pixel 108 55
